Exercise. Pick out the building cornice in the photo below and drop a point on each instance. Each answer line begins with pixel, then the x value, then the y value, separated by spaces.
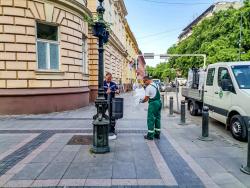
pixel 74 5
pixel 131 35
pixel 114 41
pixel 121 5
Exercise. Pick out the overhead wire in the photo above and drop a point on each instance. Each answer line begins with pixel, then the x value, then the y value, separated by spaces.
pixel 175 3
pixel 159 33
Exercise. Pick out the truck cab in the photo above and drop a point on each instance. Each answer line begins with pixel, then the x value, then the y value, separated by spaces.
pixel 227 94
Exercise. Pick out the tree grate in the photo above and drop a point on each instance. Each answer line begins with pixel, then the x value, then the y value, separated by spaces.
pixel 80 140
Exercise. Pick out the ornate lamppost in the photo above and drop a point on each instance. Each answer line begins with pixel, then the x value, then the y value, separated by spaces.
pixel 101 120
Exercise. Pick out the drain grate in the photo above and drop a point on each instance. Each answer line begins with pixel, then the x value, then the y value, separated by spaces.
pixel 80 140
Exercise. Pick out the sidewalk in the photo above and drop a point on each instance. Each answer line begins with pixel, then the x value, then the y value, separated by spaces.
pixel 34 152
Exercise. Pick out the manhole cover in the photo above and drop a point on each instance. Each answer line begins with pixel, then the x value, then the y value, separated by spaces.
pixel 80 140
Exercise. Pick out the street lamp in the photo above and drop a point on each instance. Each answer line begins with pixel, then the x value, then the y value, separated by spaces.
pixel 101 120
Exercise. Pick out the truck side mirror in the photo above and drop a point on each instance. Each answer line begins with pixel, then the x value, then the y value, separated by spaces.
pixel 226 85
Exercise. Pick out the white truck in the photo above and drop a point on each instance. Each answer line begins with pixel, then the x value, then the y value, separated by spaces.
pixel 226 91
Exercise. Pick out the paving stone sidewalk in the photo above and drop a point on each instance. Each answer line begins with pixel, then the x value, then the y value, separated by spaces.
pixel 34 152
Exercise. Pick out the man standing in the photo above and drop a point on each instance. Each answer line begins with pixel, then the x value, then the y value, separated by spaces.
pixel 110 89
pixel 154 109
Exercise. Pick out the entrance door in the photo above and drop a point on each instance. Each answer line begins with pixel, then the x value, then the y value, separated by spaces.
pixel 209 89
pixel 222 99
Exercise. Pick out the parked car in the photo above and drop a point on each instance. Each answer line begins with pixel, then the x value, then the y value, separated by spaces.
pixel 181 81
pixel 162 87
pixel 172 84
pixel 157 82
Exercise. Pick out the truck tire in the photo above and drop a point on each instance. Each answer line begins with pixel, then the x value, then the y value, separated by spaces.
pixel 238 128
pixel 193 109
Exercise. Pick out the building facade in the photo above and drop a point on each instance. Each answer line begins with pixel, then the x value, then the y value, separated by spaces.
pixel 49 57
pixel 43 56
pixel 216 7
pixel 130 65
pixel 120 51
pixel 141 67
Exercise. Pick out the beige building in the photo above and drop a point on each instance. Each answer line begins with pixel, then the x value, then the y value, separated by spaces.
pixel 43 56
pixel 119 51
pixel 130 65
pixel 216 7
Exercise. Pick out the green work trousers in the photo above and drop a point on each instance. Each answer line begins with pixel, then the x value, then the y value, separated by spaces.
pixel 154 118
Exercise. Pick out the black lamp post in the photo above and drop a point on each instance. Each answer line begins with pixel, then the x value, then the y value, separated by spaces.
pixel 101 121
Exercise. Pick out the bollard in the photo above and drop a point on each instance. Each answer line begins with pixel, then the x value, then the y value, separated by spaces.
pixel 171 106
pixel 246 169
pixel 205 128
pixel 183 113
pixel 162 100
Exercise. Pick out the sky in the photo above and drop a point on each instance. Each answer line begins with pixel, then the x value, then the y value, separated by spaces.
pixel 157 24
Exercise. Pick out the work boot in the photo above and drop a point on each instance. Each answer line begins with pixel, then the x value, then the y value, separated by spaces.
pixel 157 136
pixel 147 137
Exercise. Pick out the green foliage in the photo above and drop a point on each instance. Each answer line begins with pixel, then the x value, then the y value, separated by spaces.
pixel 161 71
pixel 91 20
pixel 218 37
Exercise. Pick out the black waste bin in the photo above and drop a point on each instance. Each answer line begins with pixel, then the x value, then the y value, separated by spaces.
pixel 117 108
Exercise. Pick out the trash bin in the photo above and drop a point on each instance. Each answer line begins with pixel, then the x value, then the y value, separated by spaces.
pixel 117 108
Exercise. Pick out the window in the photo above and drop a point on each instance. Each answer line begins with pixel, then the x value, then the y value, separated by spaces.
pixel 84 55
pixel 242 75
pixel 47 47
pixel 223 74
pixel 210 76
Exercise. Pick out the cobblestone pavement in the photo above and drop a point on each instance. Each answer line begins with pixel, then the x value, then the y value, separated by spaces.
pixel 35 152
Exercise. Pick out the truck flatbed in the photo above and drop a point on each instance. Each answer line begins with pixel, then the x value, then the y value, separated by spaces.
pixel 190 93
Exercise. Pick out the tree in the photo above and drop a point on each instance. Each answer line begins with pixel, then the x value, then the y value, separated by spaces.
pixel 217 37
pixel 162 71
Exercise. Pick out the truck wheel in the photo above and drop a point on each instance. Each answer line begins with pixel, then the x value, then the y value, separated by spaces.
pixel 192 109
pixel 238 128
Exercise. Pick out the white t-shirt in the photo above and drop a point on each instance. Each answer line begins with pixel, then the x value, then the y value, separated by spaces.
pixel 151 90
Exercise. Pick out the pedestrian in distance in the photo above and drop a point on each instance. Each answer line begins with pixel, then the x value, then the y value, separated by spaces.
pixel 153 97
pixel 110 89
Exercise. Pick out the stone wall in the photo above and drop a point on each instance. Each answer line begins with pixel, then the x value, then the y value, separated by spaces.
pixel 18 45
pixel 18 54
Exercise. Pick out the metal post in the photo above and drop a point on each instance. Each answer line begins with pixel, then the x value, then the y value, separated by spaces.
pixel 163 101
pixel 205 125
pixel 183 113
pixel 246 169
pixel 101 120
pixel 177 95
pixel 171 106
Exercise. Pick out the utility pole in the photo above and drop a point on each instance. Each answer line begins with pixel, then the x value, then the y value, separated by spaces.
pixel 241 25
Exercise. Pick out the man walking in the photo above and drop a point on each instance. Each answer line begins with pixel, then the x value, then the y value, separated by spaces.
pixel 154 109
pixel 110 89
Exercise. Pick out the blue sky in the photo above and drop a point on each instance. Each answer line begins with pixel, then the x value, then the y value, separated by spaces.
pixel 156 24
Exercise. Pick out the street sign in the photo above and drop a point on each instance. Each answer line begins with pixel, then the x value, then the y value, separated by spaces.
pixel 148 55
pixel 164 56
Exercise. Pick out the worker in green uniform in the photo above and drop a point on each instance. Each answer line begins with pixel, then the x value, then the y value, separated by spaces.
pixel 152 95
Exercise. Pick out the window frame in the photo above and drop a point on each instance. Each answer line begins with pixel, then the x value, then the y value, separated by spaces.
pixel 218 77
pixel 48 42
pixel 212 75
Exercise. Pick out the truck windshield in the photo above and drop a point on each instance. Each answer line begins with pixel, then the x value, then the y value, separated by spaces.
pixel 242 75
